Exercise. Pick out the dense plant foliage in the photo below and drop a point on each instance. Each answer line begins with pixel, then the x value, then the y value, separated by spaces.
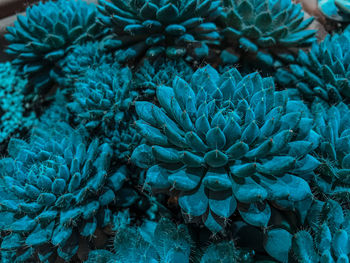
pixel 257 26
pixel 175 131
pixel 57 191
pixel 223 139
pixel 14 117
pixel 101 104
pixel 155 27
pixel 323 71
pixel 45 35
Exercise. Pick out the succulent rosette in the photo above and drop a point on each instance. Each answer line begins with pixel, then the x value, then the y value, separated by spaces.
pixel 264 29
pixel 333 126
pixel 102 104
pixel 328 239
pixel 325 237
pixel 151 74
pixel 323 72
pixel 153 27
pixel 46 34
pixel 55 191
pixel 225 139
pixel 163 241
pixel 80 59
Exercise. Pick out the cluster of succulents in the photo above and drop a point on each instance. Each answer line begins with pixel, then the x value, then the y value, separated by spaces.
pixel 79 60
pixel 161 242
pixel 328 240
pixel 322 72
pixel 254 26
pixel 45 35
pixel 159 72
pixel 332 123
pixel 102 104
pixel 178 131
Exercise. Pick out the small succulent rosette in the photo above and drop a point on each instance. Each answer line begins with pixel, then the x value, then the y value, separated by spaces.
pixel 43 37
pixel 323 72
pixel 263 29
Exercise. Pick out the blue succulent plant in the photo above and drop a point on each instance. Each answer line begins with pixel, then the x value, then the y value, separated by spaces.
pixel 14 117
pixel 152 74
pixel 332 124
pixel 153 242
pixel 45 35
pixel 55 190
pixel 328 240
pixel 101 103
pixel 324 237
pixel 81 58
pixel 337 10
pixel 223 139
pixel 264 29
pixel 323 72
pixel 163 242
pixel 154 27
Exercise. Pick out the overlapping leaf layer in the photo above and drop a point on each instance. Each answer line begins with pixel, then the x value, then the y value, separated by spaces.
pixel 44 36
pixel 155 27
pixel 322 72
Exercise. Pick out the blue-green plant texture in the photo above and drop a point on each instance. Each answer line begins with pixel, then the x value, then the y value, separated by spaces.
pixel 102 104
pixel 262 27
pixel 13 115
pixel 332 123
pixel 223 139
pixel 175 131
pixel 161 242
pixel 152 74
pixel 328 240
pixel 79 59
pixel 45 35
pixel 58 188
pixel 173 28
pixel 337 10
pixel 322 72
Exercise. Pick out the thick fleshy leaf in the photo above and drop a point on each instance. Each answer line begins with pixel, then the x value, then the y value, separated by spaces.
pixel 216 158
pixel 142 156
pixel 12 241
pixel 212 224
pixel 217 180
pixel 222 203
pixel 196 203
pixel 256 215
pixel 303 247
pixel 183 180
pixel 40 235
pixel 157 177
pixel 246 190
pixel 278 243
pixel 279 165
